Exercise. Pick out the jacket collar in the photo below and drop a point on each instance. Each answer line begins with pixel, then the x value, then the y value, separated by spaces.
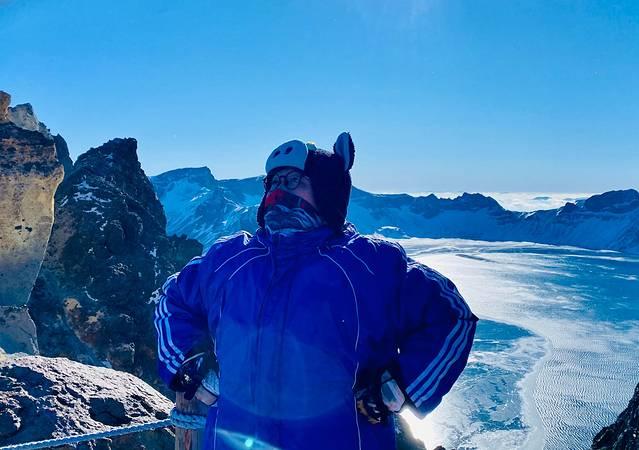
pixel 303 241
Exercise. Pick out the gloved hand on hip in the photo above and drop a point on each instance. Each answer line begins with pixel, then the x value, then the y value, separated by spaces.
pixel 197 377
pixel 379 399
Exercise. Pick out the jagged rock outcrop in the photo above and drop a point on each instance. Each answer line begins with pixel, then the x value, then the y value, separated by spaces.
pixel 24 116
pixel 62 149
pixel 624 433
pixel 107 253
pixel 30 173
pixel 44 398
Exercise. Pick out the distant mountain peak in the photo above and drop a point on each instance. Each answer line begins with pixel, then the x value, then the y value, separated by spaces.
pixel 613 201
pixel 477 201
pixel 187 172
pixel 196 178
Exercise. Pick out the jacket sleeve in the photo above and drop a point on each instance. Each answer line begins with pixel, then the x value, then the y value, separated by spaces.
pixel 180 318
pixel 435 336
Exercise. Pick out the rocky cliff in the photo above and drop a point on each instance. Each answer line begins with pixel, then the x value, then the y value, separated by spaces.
pixel 44 398
pixel 107 253
pixel 62 149
pixel 30 173
pixel 624 433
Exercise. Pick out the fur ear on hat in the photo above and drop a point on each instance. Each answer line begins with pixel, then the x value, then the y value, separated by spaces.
pixel 344 147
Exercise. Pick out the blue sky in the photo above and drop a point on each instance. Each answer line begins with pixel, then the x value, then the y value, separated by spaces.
pixel 439 95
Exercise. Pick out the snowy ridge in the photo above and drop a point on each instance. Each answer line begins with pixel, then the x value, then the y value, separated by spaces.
pixel 204 208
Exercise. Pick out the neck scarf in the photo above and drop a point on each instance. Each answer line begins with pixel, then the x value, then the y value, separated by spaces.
pixel 287 213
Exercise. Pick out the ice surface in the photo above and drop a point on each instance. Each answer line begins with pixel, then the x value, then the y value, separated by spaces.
pixel 555 357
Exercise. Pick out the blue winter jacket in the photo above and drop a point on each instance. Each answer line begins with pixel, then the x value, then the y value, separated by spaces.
pixel 297 322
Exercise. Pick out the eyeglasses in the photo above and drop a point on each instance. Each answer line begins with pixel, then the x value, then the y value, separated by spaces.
pixel 289 180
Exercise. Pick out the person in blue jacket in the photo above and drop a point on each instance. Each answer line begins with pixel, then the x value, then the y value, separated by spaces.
pixel 319 333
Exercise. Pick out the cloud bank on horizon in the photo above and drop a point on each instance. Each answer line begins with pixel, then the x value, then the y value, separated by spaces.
pixel 523 201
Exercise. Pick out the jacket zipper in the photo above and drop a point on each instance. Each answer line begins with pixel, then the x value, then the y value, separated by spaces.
pixel 258 332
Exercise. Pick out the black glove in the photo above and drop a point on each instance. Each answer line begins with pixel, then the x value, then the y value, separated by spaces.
pixel 379 399
pixel 371 405
pixel 191 373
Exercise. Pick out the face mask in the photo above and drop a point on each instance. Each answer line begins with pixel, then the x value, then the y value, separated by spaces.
pixel 285 212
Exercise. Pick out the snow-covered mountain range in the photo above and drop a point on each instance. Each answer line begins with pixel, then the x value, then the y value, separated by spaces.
pixel 200 206
pixel 204 208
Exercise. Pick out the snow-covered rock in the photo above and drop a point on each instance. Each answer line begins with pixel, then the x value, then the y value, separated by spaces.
pixel 108 252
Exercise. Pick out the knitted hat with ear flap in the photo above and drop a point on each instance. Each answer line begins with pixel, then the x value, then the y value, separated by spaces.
pixel 329 173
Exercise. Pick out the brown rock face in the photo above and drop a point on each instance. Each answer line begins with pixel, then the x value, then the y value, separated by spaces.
pixel 44 398
pixel 107 253
pixel 30 173
pixel 5 101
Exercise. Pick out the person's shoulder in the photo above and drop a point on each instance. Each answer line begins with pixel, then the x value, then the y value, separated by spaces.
pixel 371 247
pixel 231 244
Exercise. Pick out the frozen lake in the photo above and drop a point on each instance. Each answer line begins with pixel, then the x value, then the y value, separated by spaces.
pixel 556 349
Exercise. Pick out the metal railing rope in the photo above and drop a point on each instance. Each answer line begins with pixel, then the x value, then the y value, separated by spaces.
pixel 177 418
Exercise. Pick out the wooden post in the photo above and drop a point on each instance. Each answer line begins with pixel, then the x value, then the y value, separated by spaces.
pixel 189 439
